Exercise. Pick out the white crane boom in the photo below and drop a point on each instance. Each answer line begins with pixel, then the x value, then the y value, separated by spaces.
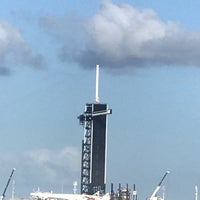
pixel 4 192
pixel 159 185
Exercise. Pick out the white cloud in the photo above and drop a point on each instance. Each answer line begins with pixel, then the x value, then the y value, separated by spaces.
pixel 13 49
pixel 122 31
pixel 120 36
pixel 138 37
pixel 43 168
pixel 45 158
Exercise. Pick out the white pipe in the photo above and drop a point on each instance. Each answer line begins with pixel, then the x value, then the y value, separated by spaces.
pixel 97 84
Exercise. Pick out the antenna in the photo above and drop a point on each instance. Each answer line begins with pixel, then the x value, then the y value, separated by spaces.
pixel 97 84
pixel 196 192
pixel 75 184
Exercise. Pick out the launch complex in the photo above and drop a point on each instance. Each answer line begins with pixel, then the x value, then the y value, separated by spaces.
pixel 94 159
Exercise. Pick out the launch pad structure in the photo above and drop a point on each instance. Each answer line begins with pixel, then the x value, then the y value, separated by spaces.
pixel 94 153
pixel 94 144
pixel 94 150
pixel 94 159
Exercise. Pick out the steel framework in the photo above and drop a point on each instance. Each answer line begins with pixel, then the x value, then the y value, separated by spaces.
pixel 94 148
pixel 86 121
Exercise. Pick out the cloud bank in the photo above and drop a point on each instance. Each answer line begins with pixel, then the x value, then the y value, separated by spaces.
pixel 121 36
pixel 14 50
pixel 44 167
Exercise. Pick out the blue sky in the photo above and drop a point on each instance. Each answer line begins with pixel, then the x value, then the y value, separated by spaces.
pixel 148 52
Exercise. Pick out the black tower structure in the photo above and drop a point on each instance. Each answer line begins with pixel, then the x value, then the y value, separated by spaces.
pixel 94 145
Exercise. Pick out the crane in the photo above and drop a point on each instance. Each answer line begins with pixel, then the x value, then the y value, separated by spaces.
pixel 158 187
pixel 4 192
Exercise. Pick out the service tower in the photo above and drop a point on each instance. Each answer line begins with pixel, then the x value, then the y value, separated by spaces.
pixel 94 144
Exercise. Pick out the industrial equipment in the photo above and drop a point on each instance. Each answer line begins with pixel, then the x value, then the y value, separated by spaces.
pixel 94 144
pixel 4 192
pixel 153 196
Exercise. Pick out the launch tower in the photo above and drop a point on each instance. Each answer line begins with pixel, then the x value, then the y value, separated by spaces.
pixel 94 144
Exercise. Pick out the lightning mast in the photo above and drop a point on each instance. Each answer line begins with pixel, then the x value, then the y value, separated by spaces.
pixel 97 85
pixel 94 144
